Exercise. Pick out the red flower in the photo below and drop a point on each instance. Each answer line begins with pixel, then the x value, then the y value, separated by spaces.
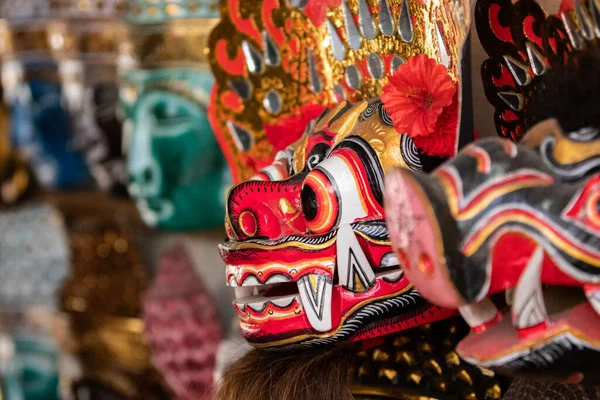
pixel 416 97
pixel 443 142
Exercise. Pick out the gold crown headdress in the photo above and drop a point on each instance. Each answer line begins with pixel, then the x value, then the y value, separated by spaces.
pixel 272 62
pixel 170 32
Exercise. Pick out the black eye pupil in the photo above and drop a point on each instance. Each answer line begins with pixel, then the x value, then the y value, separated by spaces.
pixel 309 203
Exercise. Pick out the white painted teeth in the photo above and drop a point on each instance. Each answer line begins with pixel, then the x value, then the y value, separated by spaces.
pixel 528 307
pixel 393 275
pixel 277 279
pixel 389 260
pixel 283 301
pixel 354 271
pixel 315 294
pixel 259 303
pixel 233 282
pixel 251 281
pixel 258 306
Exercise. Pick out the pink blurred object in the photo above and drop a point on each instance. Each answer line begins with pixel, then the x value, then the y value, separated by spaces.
pixel 182 327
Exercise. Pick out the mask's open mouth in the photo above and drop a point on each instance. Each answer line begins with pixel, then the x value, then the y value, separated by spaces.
pixel 303 271
pixel 561 343
pixel 281 290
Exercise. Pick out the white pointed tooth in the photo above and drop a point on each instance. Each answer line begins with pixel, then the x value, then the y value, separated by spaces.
pixel 243 292
pixel 478 314
pixel 277 279
pixel 529 308
pixel 233 282
pixel 283 301
pixel 315 294
pixel 354 271
pixel 258 304
pixel 251 281
pixel 241 305
pixel 389 260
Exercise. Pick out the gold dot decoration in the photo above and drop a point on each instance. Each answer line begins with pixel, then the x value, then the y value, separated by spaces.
pixel 422 361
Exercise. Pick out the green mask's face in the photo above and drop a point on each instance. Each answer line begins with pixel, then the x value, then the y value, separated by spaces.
pixel 178 174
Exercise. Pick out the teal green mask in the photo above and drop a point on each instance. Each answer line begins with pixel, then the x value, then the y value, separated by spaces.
pixel 178 175
pixel 33 371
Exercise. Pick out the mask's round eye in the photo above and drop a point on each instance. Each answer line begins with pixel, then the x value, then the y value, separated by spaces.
pixel 170 114
pixel 320 203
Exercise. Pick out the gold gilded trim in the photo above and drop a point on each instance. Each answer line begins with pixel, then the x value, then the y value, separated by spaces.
pixel 565 151
pixel 366 391
pixel 184 41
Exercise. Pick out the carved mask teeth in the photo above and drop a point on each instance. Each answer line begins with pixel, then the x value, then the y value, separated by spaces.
pixel 315 294
pixel 354 271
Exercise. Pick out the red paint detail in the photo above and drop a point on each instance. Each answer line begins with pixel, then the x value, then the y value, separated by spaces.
pixel 294 46
pixel 501 32
pixel 575 378
pixel 510 255
pixel 233 66
pixel 247 26
pixel 532 331
pixel 289 129
pixel 267 16
pixel 316 10
pixel 566 6
pixel 264 199
pixel 429 316
pixel 426 265
pixel 530 33
pixel 486 325
pixel 585 207
pixel 232 101
pixel 248 223
pixel 403 259
pixel 510 115
pixel 590 288
pixel 505 79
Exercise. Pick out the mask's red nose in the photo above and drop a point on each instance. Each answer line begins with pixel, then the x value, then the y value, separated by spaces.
pixel 267 210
